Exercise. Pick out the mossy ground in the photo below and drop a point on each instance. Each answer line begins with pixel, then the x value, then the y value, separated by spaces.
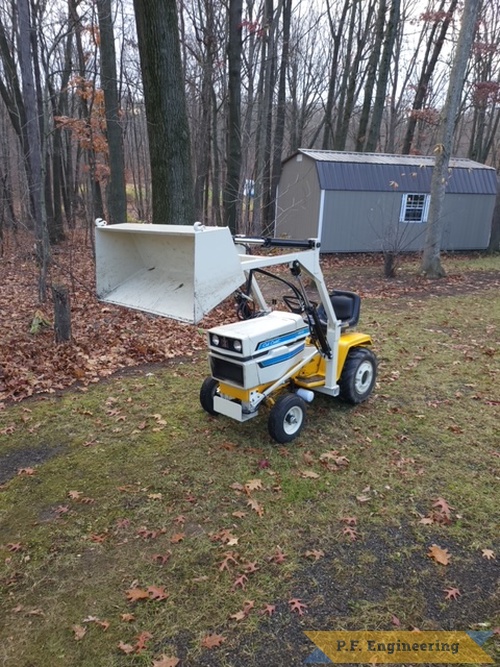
pixel 99 484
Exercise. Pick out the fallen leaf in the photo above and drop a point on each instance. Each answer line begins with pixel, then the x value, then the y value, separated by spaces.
pixel 178 537
pixel 251 567
pixel 229 557
pixel 309 474
pixel 253 485
pixel 239 515
pixel 268 610
pixel 14 546
pixel 142 639
pixel 79 632
pixel 278 556
pixel 166 661
pixel 297 605
pixel 212 640
pixel 240 582
pixel 255 506
pixel 136 594
pixel 103 624
pixel 181 519
pixel 248 605
pixel 349 520
pixel 127 618
pixel 157 593
pixel 238 616
pixel 26 471
pixel 126 648
pixel 451 593
pixel 351 533
pixel 395 621
pixel 441 556
pixel 161 559
pixel 314 554
pixel 443 508
pixel 488 553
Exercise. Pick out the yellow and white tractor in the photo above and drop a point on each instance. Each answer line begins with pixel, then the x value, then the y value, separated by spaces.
pixel 276 356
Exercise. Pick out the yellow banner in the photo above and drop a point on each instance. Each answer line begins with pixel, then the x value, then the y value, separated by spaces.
pixel 398 647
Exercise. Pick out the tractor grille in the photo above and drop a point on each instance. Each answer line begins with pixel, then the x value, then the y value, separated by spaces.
pixel 226 370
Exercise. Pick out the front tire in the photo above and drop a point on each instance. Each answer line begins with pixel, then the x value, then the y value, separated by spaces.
pixel 207 392
pixel 358 375
pixel 286 418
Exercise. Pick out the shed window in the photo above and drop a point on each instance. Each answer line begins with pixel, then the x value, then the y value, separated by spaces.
pixel 414 208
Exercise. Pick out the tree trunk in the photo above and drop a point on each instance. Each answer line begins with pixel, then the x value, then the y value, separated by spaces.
pixel 62 313
pixel 431 259
pixel 371 73
pixel 117 197
pixel 35 166
pixel 168 128
pixel 383 77
pixel 279 132
pixel 234 48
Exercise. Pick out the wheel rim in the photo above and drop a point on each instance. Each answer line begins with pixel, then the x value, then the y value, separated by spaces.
pixel 293 420
pixel 363 377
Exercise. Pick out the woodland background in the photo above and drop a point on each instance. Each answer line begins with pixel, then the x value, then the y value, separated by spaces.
pixel 358 75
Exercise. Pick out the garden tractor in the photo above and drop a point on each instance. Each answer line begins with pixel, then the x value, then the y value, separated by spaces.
pixel 279 355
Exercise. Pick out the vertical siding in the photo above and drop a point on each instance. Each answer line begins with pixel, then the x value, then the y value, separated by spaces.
pixel 297 205
pixel 369 222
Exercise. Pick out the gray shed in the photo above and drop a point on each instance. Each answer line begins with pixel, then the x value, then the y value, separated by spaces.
pixel 365 202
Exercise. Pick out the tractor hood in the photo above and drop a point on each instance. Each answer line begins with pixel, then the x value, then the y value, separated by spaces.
pixel 175 271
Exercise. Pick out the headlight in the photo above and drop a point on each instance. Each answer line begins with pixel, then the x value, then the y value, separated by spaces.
pixel 215 340
pixel 237 345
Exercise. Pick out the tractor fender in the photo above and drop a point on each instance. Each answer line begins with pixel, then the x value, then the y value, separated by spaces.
pixel 348 341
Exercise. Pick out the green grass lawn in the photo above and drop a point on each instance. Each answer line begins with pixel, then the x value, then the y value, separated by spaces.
pixel 128 489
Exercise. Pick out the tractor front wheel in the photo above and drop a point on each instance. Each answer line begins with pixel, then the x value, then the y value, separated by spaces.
pixel 358 375
pixel 207 393
pixel 286 418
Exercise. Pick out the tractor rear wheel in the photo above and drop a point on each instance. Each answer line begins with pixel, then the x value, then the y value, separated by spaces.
pixel 207 393
pixel 286 418
pixel 358 375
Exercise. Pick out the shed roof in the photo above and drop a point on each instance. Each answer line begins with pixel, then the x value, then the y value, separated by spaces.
pixel 381 172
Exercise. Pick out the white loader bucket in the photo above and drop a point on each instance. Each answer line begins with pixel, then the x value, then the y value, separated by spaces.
pixel 176 271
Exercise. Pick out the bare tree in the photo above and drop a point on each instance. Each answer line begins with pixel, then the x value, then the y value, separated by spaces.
pixel 439 21
pixel 117 199
pixel 35 164
pixel 165 98
pixel 234 47
pixel 431 259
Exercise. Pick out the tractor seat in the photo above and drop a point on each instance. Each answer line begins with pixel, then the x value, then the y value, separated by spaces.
pixel 346 306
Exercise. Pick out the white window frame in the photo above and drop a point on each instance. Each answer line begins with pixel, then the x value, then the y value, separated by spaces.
pixel 408 205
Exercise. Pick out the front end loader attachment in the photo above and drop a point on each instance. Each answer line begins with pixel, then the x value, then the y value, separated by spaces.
pixel 174 271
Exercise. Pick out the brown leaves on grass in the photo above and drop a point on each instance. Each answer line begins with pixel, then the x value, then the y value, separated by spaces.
pixel 314 554
pixel 268 610
pixel 451 593
pixel 166 661
pixel 138 647
pixel 248 605
pixel 212 640
pixel 278 557
pixel 297 606
pixel 151 593
pixel 440 514
pixel 441 556
pixel 79 632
